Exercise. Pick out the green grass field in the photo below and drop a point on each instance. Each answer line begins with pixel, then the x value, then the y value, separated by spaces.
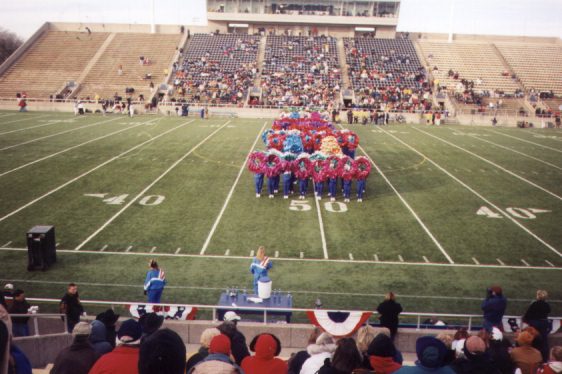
pixel 448 211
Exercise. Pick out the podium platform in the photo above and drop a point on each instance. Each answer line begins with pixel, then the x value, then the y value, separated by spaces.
pixel 227 302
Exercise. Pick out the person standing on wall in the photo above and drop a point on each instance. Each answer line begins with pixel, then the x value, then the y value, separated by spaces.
pixel 154 282
pixel 260 267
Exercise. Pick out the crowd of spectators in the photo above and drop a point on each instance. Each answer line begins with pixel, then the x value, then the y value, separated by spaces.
pixel 300 71
pixel 387 74
pixel 217 68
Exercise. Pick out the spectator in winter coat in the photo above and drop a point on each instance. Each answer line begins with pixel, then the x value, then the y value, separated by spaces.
pixel 150 323
pixel 98 339
pixel 218 361
pixel 297 359
pixel 237 339
pixel 205 340
pixel 448 341
pixel 381 355
pixel 389 310
pixel 537 317
pixel 432 354
pixel 267 347
pixel 524 355
pixel 71 306
pixel 346 359
pixel 554 365
pixel 498 350
pixel 5 336
pixel 323 348
pixel 162 352
pixel 109 319
pixel 80 356
pixel 493 307
pixel 124 359
pixel 475 359
pixel 19 306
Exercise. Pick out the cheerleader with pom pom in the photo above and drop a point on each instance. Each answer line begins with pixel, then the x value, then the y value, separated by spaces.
pixel 319 177
pixel 256 164
pixel 332 172
pixel 272 171
pixel 347 171
pixel 363 168
pixel 302 172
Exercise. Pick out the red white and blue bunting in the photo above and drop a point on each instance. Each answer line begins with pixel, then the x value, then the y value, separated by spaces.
pixel 184 312
pixel 338 324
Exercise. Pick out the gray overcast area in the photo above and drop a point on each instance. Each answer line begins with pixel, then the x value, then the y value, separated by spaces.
pixel 496 17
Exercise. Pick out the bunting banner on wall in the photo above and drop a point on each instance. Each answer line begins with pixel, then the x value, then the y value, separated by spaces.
pixel 338 324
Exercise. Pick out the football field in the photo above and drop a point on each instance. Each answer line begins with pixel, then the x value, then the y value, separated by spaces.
pixel 448 211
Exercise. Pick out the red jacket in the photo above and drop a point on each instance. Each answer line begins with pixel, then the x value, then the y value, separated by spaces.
pixel 383 365
pixel 122 360
pixel 264 360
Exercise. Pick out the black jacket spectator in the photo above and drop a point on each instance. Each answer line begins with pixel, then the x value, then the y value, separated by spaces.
pixel 237 341
pixel 389 310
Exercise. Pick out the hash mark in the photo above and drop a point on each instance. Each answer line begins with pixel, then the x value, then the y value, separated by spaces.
pixel 152 249
pixel 227 252
pixel 475 261
pixel 550 263
pixel 500 261
pixel 302 254
pixel 129 248
pixel 401 258
pixel 252 253
pixel 376 257
pixel 7 244
pixel 57 245
pixel 425 259
pixel 351 256
pixel 103 248
pixel 525 262
pixel 178 250
pixel 276 254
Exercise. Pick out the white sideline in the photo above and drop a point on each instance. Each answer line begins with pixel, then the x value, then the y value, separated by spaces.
pixel 125 285
pixel 518 152
pixel 505 214
pixel 56 134
pixel 140 194
pixel 90 171
pixel 491 163
pixel 301 259
pixel 70 148
pixel 23 119
pixel 420 222
pixel 526 141
pixel 229 196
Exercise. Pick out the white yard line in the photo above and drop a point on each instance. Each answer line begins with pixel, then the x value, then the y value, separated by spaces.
pixel 505 214
pixel 491 163
pixel 518 152
pixel 230 193
pixel 56 134
pixel 418 219
pixel 526 141
pixel 210 288
pixel 140 194
pixel 302 259
pixel 30 128
pixel 91 171
pixel 320 223
pixel 24 119
pixel 70 148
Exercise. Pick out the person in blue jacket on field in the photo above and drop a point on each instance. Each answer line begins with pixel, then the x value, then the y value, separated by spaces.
pixel 493 307
pixel 260 266
pixel 154 282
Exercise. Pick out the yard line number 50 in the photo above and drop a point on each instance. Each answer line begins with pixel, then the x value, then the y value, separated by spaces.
pixel 330 206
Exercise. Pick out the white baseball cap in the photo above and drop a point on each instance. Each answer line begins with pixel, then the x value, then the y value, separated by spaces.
pixel 9 286
pixel 231 316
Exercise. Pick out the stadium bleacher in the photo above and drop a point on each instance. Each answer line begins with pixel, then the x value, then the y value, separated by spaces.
pixel 300 70
pixel 56 58
pixel 217 69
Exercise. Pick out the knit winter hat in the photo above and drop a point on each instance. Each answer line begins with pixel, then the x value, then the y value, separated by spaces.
pixel 109 318
pixel 381 346
pixel 475 344
pixel 220 344
pixel 163 352
pixel 431 352
pixel 82 328
pixel 130 331
pixel 150 322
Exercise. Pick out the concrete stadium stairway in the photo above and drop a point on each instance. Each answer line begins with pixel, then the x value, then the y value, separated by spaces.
pixel 343 64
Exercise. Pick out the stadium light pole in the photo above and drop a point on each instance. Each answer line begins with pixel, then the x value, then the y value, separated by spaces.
pixel 153 23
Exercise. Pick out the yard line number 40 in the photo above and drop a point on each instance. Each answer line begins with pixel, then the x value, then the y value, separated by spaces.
pixel 148 200
pixel 522 213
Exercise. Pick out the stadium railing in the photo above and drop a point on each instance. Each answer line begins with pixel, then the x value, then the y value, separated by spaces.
pixel 36 316
pixel 419 317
